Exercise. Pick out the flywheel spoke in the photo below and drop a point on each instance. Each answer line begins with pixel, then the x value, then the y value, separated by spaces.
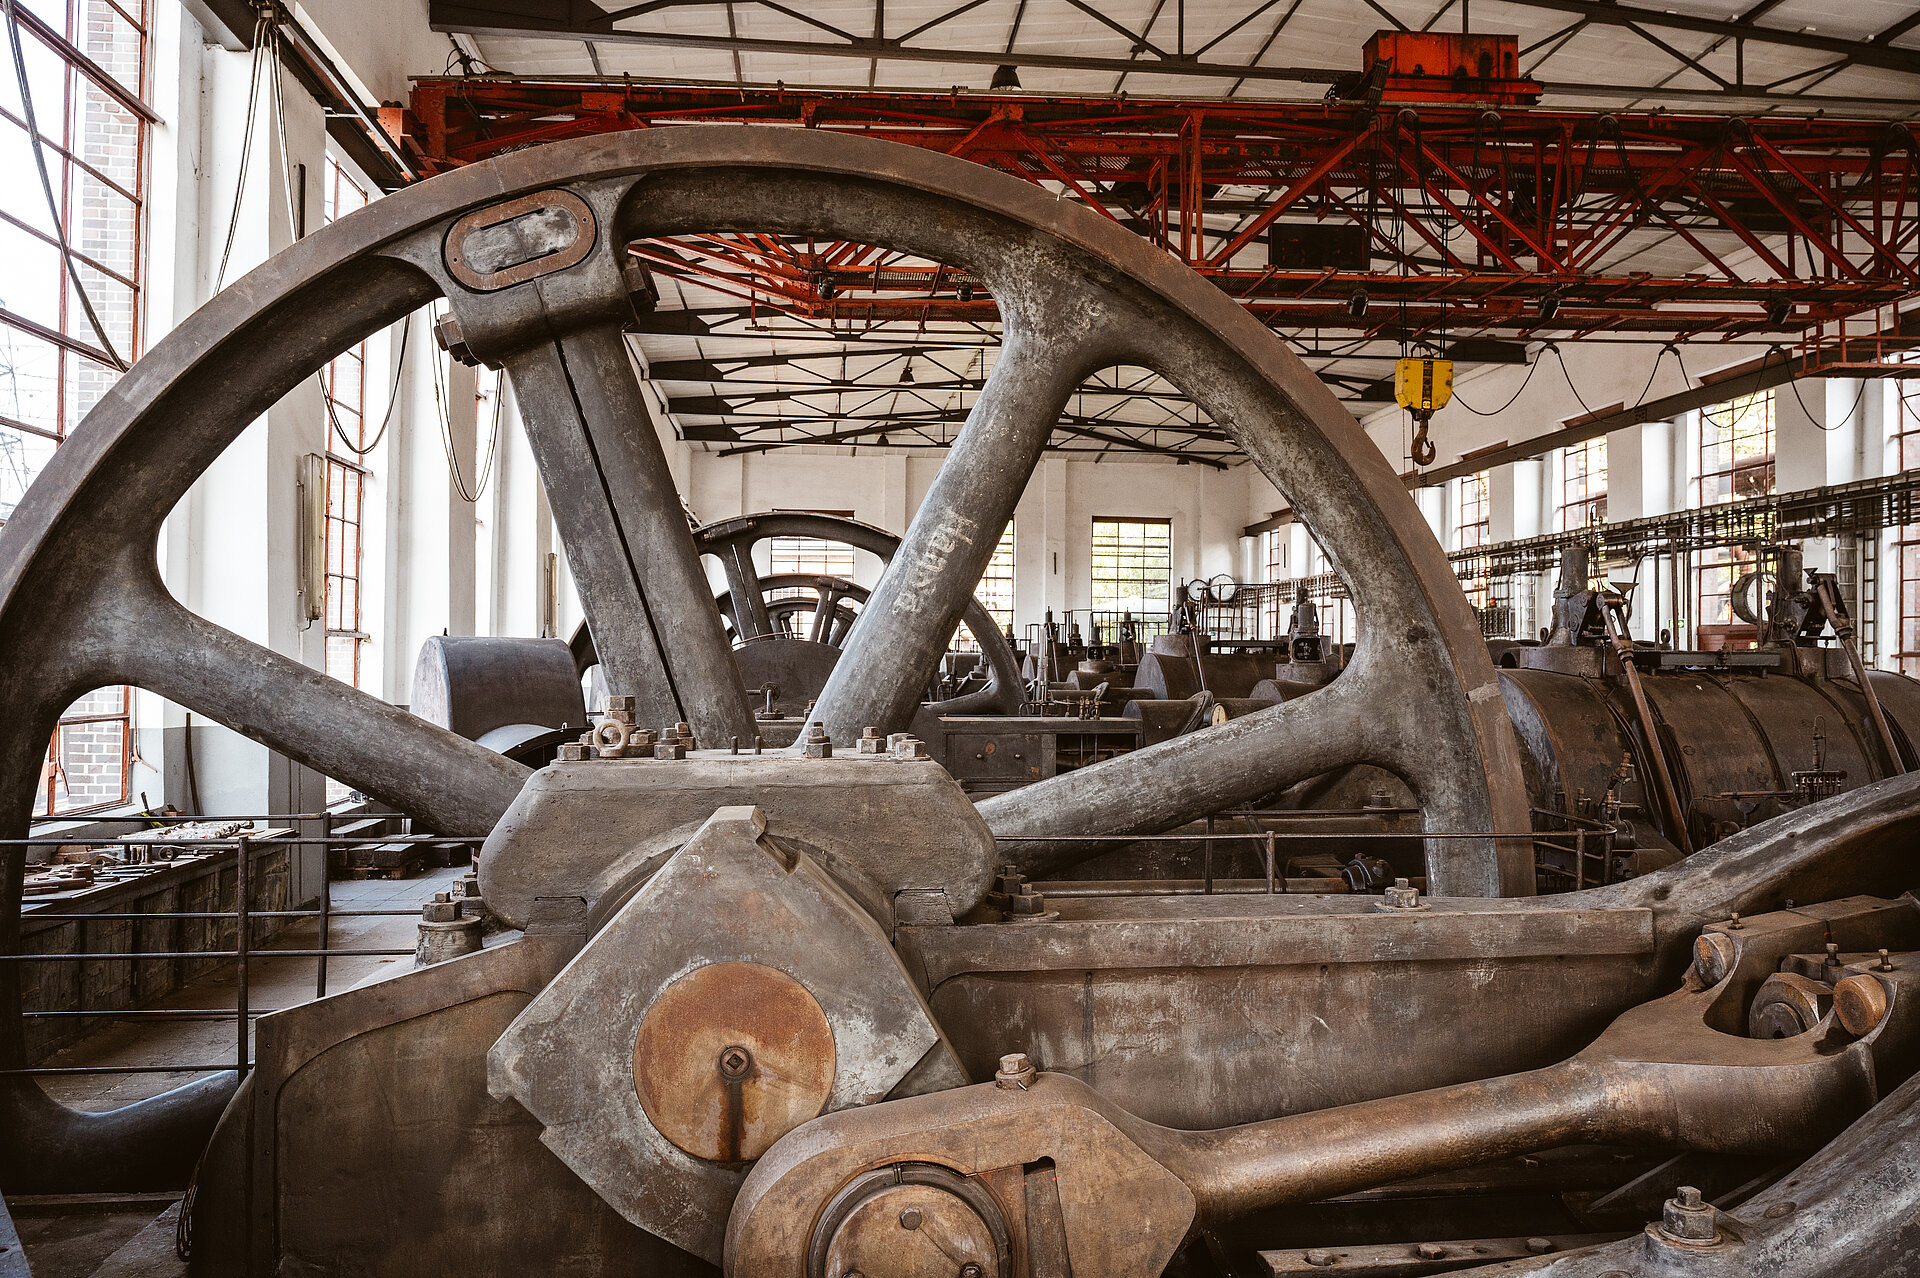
pixel 908 623
pixel 607 478
pixel 456 786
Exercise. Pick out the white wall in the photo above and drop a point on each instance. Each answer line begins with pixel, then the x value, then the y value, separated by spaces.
pixel 1053 522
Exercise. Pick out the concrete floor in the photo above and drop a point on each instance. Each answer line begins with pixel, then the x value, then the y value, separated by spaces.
pixel 271 983
pixel 95 1238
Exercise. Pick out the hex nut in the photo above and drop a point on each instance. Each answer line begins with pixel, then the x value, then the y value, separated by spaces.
pixel 1319 1256
pixel 1541 1246
pixel 1015 1072
pixel 1401 896
pixel 1688 1218
pixel 1430 1251
pixel 572 752
pixel 670 750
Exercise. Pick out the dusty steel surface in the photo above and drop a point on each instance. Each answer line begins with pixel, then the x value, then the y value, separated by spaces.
pixel 730 1058
pixel 735 895
pixel 596 830
pixel 1663 1073
pixel 474 684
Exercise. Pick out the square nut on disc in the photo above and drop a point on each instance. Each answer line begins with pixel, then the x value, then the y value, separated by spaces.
pixel 739 994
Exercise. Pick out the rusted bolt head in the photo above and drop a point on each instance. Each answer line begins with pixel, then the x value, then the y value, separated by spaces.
pixel 1319 1256
pixel 970 1270
pixel 1777 1210
pixel 870 733
pixel 1886 964
pixel 910 1218
pixel 1431 1251
pixel 1540 1246
pixel 816 731
pixel 1713 956
pixel 1688 1218
pixel 1860 1002
pixel 1401 896
pixel 1015 1072
pixel 735 1062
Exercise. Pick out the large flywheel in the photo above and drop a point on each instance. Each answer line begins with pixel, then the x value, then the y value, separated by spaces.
pixel 529 254
pixel 788 629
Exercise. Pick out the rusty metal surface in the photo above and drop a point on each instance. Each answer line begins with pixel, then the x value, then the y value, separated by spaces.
pixel 366 1142
pixel 1663 1073
pixel 734 895
pixel 730 1058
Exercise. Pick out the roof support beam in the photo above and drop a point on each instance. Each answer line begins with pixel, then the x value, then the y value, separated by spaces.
pixel 1863 53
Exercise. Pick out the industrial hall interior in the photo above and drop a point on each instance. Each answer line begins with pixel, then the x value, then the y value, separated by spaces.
pixel 960 638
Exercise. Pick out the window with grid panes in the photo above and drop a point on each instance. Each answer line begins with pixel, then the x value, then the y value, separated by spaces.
pixel 87 66
pixel 1583 484
pixel 1132 566
pixel 1278 609
pixel 1735 464
pixel 344 383
pixel 1472 510
pixel 812 556
pixel 995 591
pixel 1904 446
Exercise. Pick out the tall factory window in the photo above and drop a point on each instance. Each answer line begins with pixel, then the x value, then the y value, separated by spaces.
pixel 1132 565
pixel 87 75
pixel 1583 484
pixel 1472 508
pixel 1736 463
pixel 1278 548
pixel 343 382
pixel 1905 449
pixel 812 556
pixel 995 590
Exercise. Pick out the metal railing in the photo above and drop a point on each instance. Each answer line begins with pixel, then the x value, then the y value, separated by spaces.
pixel 1586 834
pixel 247 849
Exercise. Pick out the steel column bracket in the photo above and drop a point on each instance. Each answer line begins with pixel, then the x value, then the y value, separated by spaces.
pixel 738 994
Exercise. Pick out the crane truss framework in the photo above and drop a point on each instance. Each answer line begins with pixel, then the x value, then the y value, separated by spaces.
pixel 1393 221
pixel 1861 508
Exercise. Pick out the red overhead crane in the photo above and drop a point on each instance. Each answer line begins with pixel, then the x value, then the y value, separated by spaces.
pixel 1368 214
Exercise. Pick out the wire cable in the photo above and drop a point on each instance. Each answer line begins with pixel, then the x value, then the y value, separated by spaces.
pixel 46 186
pixel 261 28
pixel 271 39
pixel 1510 399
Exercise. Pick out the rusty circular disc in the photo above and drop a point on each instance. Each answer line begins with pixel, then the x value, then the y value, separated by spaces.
pixel 730 1058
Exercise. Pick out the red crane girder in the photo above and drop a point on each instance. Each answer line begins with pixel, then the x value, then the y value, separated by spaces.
pixel 1372 217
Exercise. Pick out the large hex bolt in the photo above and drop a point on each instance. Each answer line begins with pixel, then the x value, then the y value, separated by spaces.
pixel 1023 900
pixel 1687 1219
pixel 622 710
pixel 911 750
pixel 871 742
pixel 466 893
pixel 683 732
pixel 1015 1072
pixel 573 752
pixel 445 932
pixel 1401 896
pixel 818 744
